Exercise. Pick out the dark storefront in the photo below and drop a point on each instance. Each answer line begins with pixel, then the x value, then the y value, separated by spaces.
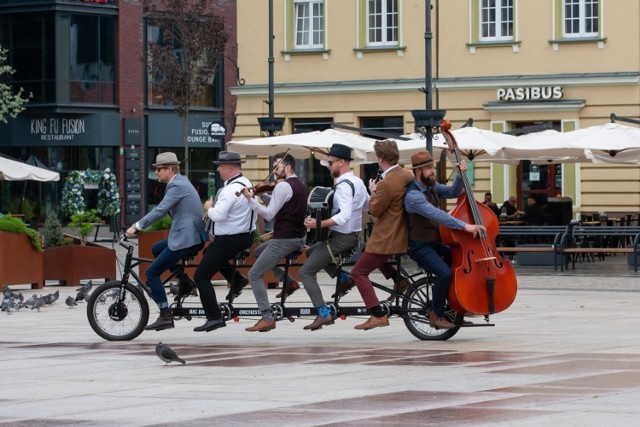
pixel 92 106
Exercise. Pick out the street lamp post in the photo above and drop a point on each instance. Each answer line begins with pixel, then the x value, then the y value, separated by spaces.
pixel 427 120
pixel 271 126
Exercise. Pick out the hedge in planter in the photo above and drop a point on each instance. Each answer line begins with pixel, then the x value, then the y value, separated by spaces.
pixel 20 254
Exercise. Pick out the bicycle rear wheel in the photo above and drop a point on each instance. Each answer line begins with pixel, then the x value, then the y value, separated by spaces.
pixel 416 305
pixel 116 313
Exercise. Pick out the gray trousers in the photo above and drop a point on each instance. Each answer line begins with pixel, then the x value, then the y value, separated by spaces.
pixel 274 251
pixel 277 270
pixel 318 257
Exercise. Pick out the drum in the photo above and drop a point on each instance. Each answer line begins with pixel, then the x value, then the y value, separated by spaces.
pixel 319 207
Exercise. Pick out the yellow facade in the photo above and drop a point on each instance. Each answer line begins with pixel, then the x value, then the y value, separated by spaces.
pixel 346 81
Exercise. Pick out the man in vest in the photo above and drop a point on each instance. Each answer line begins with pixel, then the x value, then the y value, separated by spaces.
pixel 350 197
pixel 424 216
pixel 288 208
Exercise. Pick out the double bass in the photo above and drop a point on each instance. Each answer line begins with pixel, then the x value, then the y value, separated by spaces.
pixel 483 282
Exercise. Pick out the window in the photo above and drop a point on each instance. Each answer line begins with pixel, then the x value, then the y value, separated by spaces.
pixel 92 59
pixel 309 24
pixel 210 96
pixel 30 39
pixel 382 22
pixel 580 18
pixel 496 20
pixel 390 125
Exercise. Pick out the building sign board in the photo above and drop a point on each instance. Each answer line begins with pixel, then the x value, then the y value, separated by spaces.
pixel 530 93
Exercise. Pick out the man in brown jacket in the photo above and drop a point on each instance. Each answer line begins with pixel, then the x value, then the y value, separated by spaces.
pixel 390 235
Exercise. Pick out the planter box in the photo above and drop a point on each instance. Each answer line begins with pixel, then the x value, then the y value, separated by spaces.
pixel 72 263
pixel 20 262
pixel 146 241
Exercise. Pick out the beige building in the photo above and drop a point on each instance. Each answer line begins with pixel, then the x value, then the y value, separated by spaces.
pixel 507 64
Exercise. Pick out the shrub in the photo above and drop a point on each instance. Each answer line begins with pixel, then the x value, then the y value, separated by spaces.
pixel 53 236
pixel 15 225
pixel 82 223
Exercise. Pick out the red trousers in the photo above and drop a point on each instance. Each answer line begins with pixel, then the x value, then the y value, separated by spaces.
pixel 360 275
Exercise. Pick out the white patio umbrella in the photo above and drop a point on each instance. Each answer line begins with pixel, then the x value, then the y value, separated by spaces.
pixel 479 144
pixel 608 143
pixel 544 147
pixel 303 145
pixel 11 170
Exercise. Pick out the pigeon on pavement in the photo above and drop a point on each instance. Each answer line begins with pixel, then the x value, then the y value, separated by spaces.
pixel 83 291
pixel 7 292
pixel 70 301
pixel 167 355
pixel 39 303
pixel 31 300
pixel 51 298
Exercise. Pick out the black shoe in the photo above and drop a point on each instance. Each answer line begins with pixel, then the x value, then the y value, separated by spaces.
pixel 187 286
pixel 165 321
pixel 210 325
pixel 237 290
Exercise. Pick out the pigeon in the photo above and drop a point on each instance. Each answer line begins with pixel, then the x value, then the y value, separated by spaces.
pixel 51 298
pixel 31 300
pixel 19 296
pixel 167 355
pixel 7 292
pixel 173 289
pixel 39 303
pixel 6 305
pixel 102 298
pixel 83 291
pixel 70 301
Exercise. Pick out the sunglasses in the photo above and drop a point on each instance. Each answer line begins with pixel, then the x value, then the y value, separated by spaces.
pixel 161 168
pixel 331 162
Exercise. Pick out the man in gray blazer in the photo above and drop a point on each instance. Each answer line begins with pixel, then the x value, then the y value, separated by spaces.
pixel 186 236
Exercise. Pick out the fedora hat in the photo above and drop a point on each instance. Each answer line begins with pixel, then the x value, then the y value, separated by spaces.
pixel 228 157
pixel 420 159
pixel 166 159
pixel 341 151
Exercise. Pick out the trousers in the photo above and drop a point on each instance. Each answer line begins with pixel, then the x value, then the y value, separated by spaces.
pixel 436 259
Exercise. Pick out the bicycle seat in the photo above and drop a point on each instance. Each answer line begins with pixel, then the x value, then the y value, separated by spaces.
pixel 243 254
pixel 293 255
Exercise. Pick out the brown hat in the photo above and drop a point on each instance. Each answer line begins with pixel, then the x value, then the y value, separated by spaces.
pixel 420 159
pixel 166 159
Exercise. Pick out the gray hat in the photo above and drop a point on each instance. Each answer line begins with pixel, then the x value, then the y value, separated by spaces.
pixel 341 151
pixel 166 159
pixel 228 157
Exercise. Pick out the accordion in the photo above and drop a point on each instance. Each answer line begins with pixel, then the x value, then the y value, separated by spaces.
pixel 319 206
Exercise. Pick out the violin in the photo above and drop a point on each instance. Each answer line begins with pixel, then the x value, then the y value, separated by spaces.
pixel 265 186
pixel 259 189
pixel 483 282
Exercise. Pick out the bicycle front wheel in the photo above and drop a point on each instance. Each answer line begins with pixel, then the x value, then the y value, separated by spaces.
pixel 416 305
pixel 117 313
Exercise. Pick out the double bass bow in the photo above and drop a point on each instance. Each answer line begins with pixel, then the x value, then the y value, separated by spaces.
pixel 483 282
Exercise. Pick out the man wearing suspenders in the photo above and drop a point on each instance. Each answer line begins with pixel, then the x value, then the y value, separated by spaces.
pixel 344 226
pixel 234 223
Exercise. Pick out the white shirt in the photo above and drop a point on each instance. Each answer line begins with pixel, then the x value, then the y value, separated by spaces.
pixel 347 210
pixel 280 195
pixel 232 214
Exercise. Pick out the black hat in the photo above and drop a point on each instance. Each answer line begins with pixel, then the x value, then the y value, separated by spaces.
pixel 226 157
pixel 341 151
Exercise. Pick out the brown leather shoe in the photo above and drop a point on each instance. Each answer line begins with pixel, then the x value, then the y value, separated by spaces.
pixel 344 288
pixel 373 322
pixel 262 326
pixel 439 322
pixel 289 288
pixel 400 286
pixel 319 323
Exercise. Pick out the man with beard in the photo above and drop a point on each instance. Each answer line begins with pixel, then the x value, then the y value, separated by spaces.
pixel 288 208
pixel 424 216
pixel 345 224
